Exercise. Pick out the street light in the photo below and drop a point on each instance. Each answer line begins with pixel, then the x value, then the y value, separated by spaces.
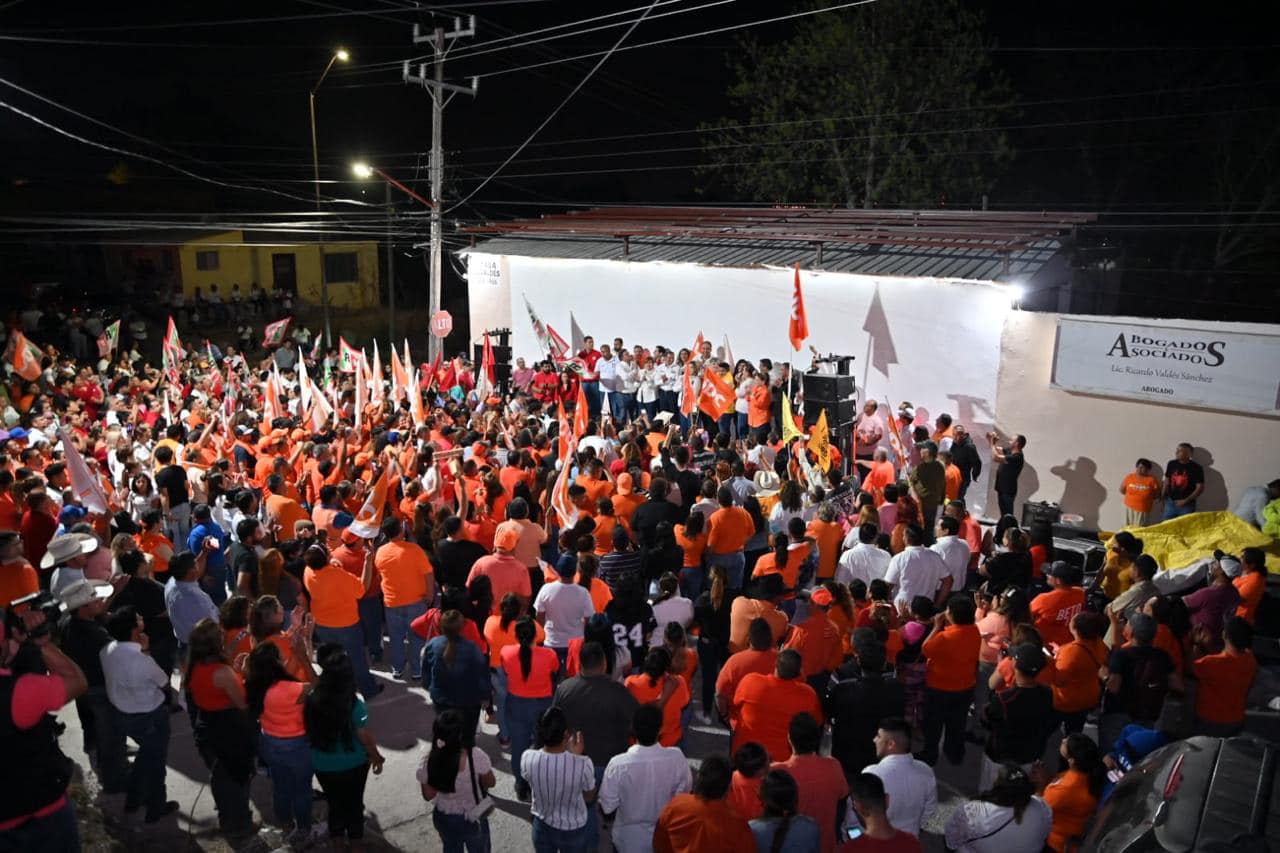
pixel 364 171
pixel 339 55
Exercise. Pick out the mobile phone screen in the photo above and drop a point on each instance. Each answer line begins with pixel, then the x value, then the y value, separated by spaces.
pixel 853 833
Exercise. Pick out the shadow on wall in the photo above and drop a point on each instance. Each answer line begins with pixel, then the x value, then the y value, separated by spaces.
pixel 1082 494
pixel 1215 485
pixel 1028 486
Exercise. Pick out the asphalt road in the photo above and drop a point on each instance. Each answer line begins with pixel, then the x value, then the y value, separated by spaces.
pixel 397 816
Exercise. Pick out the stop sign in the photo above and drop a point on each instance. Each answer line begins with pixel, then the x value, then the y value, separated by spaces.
pixel 441 324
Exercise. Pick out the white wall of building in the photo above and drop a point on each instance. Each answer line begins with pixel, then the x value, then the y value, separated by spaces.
pixel 1080 446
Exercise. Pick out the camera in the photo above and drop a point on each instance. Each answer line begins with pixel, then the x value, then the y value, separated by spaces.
pixel 43 602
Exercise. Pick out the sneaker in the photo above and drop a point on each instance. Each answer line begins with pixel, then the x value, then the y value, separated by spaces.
pixel 160 814
pixel 398 676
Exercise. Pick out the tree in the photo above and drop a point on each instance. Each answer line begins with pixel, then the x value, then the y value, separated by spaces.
pixel 886 104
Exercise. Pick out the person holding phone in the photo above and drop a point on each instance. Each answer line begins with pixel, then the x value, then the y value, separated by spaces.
pixel 873 833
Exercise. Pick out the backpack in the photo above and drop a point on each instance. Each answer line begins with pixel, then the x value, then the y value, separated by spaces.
pixel 1151 668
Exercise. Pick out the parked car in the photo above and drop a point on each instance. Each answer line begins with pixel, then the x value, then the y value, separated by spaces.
pixel 1203 793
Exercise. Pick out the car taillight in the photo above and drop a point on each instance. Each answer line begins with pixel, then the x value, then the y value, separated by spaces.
pixel 1175 778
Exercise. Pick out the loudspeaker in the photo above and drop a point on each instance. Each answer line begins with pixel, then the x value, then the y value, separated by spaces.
pixel 838 413
pixel 828 388
pixel 501 361
pixel 1040 512
pixel 1089 556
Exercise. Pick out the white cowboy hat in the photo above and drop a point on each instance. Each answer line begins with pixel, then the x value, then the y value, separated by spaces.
pixel 80 593
pixel 767 483
pixel 63 548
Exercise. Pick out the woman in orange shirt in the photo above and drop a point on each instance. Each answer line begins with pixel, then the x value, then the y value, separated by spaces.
pixel 1073 794
pixel 601 595
pixel 266 627
pixel 692 537
pixel 1158 608
pixel 1077 688
pixel 606 521
pixel 153 542
pixel 529 670
pixel 500 632
pixel 1252 583
pixel 655 685
pixel 841 613
pixel 234 618
pixel 750 763
pixel 275 700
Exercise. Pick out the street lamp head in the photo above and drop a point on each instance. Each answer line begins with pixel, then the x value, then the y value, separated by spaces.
pixel 341 54
pixel 362 170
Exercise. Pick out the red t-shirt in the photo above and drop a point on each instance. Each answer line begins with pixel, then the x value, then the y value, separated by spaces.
pixel 902 842
pixel 822 786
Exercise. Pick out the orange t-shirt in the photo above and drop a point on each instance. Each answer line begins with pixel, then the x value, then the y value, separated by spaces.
pixel 693 548
pixel 17 580
pixel 604 534
pixel 1073 805
pixel 647 693
pixel 1076 686
pixel 729 528
pixel 744 796
pixel 764 705
pixel 596 489
pixel 1053 611
pixel 404 568
pixel 236 642
pixel 828 535
pixel 10 515
pixel 743 611
pixel 334 593
pixel 690 824
pixel 880 475
pixel 499 639
pixel 953 657
pixel 150 543
pixel 1251 586
pixel 538 685
pixel 759 406
pixel 768 565
pixel 818 642
pixel 282 710
pixel 624 506
pixel 739 666
pixel 298 670
pixel 1225 679
pixel 1140 492
pixel 953 479
pixel 286 512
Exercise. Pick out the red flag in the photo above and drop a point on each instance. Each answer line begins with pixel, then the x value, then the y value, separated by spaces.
pixel 716 395
pixel 449 377
pixel 687 398
pixel 348 357
pixel 697 345
pixel 26 358
pixel 433 373
pixel 273 335
pixel 799 326
pixel 561 346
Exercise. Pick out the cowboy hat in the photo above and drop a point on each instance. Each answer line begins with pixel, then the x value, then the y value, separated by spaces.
pixel 767 482
pixel 78 594
pixel 69 546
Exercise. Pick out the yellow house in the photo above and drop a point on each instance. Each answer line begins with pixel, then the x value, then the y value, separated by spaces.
pixel 233 257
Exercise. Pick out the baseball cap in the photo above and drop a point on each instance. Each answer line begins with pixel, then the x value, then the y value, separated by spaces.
pixel 506 538
pixel 18 433
pixel 626 485
pixel 71 514
pixel 1230 565
pixel 821 597
pixel 1028 659
pixel 1064 570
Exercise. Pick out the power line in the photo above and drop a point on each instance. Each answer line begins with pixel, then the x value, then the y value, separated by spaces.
pixel 558 108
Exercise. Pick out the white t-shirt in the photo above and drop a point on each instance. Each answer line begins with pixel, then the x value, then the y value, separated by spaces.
pixel 463 798
pixel 674 609
pixel 916 571
pixel 566 607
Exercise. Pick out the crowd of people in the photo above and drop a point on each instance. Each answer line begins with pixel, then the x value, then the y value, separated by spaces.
pixel 595 564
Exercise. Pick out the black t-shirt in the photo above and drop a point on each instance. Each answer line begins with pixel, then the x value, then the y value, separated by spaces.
pixel 647 517
pixel 601 709
pixel 1183 478
pixel 454 561
pixel 243 560
pixel 1007 474
pixel 147 596
pixel 1144 681
pixel 173 480
pixel 632 625
pixel 713 624
pixel 856 704
pixel 82 640
pixel 1020 719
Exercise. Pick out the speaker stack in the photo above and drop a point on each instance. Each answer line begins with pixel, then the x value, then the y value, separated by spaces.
pixel 837 395
pixel 501 358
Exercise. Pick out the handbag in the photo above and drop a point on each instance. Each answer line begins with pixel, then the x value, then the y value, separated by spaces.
pixel 484 804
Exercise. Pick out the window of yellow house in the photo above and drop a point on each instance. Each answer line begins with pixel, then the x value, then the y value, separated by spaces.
pixel 341 267
pixel 207 260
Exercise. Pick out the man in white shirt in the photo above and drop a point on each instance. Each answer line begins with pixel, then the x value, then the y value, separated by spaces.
pixel 607 367
pixel 563 607
pixel 865 561
pixel 917 571
pixel 953 550
pixel 639 783
pixel 137 688
pixel 910 784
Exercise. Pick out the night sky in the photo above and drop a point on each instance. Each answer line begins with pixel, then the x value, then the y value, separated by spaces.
pixel 1130 110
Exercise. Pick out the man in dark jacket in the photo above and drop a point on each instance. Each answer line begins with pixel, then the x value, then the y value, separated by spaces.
pixel 964 455
pixel 859 696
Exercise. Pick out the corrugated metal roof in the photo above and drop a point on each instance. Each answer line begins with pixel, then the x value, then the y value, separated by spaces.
pixel 972 263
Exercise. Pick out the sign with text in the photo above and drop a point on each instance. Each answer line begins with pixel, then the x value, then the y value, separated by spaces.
pixel 441 324
pixel 1182 367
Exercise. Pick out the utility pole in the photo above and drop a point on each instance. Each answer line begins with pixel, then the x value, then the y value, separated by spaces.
pixel 437 88
pixel 391 270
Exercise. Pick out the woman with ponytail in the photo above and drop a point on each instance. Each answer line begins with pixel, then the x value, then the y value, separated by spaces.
pixel 711 615
pixel 781 829
pixel 656 685
pixel 454 778
pixel 455 672
pixel 529 669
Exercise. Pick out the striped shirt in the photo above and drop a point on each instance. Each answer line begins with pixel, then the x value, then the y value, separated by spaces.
pixel 558 781
pixel 618 567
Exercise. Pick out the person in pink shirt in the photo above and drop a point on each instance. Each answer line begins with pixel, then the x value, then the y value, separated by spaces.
pixel 505 572
pixel 888 510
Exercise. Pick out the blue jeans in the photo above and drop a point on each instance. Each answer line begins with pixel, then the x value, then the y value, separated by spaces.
pixel 352 639
pixel 150 731
pixel 548 839
pixel 498 678
pixel 591 390
pixel 54 833
pixel 740 425
pixel 1173 511
pixel 522 721
pixel 371 625
pixel 593 815
pixel 458 834
pixel 398 619
pixel 735 565
pixel 624 406
pixel 288 761
pixel 692 579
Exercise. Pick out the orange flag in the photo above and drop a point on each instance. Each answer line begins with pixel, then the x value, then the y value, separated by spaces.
pixel 581 414
pixel 560 490
pixel 799 327
pixel 26 358
pixel 715 396
pixel 687 398
pixel 399 377
pixel 369 518
pixel 415 401
pixel 565 432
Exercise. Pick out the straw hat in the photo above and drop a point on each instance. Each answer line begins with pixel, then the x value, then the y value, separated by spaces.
pixel 767 483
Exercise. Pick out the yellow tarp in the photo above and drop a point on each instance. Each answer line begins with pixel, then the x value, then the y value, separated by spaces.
pixel 1181 541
